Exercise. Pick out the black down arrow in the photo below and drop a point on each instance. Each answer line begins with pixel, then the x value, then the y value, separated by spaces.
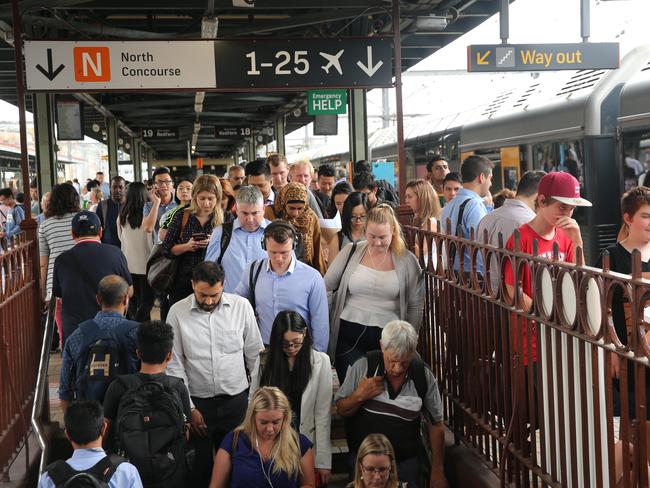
pixel 49 73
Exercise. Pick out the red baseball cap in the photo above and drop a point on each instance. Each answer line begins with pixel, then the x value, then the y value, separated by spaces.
pixel 563 187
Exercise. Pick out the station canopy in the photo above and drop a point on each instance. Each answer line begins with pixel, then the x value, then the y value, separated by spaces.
pixel 425 25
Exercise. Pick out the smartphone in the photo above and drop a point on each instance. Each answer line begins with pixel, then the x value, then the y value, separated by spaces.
pixel 199 237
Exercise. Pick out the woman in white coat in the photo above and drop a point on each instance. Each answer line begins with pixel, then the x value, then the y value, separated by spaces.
pixel 305 376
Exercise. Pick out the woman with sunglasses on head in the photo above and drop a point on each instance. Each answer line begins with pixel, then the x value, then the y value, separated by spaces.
pixel 264 451
pixel 373 283
pixel 353 223
pixel 375 466
pixel 305 376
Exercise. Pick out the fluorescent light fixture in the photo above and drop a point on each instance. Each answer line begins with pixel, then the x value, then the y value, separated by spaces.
pixel 199 97
pixel 197 127
pixel 209 26
pixel 198 108
pixel 431 23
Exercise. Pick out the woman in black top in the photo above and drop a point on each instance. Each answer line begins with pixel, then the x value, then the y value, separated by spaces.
pixel 189 232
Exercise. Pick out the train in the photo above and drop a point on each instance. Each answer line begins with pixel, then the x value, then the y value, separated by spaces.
pixel 594 124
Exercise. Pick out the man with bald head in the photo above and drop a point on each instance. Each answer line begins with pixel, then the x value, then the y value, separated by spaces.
pixel 116 334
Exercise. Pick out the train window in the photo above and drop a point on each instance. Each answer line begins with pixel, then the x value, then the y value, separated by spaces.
pixel 635 158
pixel 566 156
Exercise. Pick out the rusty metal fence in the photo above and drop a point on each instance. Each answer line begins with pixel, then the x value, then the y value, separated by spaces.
pixel 19 345
pixel 559 420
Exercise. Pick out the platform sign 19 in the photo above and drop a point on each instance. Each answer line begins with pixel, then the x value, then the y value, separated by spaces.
pixel 327 102
pixel 543 57
pixel 160 133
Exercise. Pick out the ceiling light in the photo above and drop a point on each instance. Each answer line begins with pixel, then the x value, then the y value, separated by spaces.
pixel 198 108
pixel 209 26
pixel 197 127
pixel 431 23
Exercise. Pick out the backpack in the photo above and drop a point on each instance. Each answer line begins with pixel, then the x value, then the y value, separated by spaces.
pixel 376 368
pixel 105 357
pixel 226 235
pixel 98 476
pixel 150 430
pixel 253 275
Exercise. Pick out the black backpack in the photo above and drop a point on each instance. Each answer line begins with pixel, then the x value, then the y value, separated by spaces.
pixel 150 430
pixel 105 357
pixel 98 476
pixel 226 236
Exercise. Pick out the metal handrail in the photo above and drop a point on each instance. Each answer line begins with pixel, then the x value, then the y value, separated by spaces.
pixel 42 385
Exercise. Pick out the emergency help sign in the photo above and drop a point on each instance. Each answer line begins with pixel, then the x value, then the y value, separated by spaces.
pixel 327 102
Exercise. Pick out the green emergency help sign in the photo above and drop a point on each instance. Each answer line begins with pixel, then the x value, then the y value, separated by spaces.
pixel 327 102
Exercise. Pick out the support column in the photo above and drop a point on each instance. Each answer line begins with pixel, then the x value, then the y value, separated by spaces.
pixel 136 159
pixel 279 134
pixel 111 142
pixel 149 162
pixel 357 120
pixel 46 156
pixel 252 149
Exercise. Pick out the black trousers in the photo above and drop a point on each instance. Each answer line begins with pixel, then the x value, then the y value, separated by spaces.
pixel 354 341
pixel 221 414
pixel 142 301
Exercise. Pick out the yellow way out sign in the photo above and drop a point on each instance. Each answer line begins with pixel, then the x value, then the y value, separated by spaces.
pixel 543 57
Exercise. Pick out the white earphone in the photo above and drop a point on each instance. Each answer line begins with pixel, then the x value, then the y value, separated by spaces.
pixel 266 476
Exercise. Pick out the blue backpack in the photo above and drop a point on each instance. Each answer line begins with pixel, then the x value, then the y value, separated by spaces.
pixel 105 356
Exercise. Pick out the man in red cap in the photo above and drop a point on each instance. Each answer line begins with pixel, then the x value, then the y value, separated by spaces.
pixel 558 195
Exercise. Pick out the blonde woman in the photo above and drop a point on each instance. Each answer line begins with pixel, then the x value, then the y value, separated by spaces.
pixel 189 232
pixel 380 282
pixel 375 466
pixel 264 451
pixel 424 201
pixel 96 196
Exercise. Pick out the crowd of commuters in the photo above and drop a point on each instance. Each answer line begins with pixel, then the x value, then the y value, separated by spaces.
pixel 264 310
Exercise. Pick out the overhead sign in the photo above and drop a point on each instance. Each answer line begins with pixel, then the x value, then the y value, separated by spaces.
pixel 118 65
pixel 543 57
pixel 299 63
pixel 327 102
pixel 158 133
pixel 209 65
pixel 233 132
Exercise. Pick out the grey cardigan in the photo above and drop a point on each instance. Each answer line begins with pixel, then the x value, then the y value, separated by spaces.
pixel 411 288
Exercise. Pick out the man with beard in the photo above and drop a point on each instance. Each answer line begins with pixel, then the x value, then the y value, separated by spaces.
pixel 216 339
pixel 108 210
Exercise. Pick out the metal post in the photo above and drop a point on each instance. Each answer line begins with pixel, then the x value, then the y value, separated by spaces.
pixel 358 125
pixel 397 42
pixel 111 142
pixel 252 148
pixel 149 162
pixel 46 156
pixel 504 21
pixel 279 134
pixel 20 91
pixel 585 28
pixel 136 159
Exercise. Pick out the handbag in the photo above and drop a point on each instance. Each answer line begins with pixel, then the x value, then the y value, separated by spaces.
pixel 161 269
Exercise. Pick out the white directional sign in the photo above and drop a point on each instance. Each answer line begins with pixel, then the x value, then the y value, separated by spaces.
pixel 118 65
pixel 210 65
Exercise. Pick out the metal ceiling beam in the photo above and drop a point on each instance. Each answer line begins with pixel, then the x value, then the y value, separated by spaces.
pixel 94 29
pixel 200 5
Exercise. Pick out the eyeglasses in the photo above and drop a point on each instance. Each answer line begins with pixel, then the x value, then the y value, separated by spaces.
pixel 291 345
pixel 358 218
pixel 380 471
pixel 164 182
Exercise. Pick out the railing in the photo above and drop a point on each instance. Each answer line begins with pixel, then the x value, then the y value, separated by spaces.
pixel 20 338
pixel 549 422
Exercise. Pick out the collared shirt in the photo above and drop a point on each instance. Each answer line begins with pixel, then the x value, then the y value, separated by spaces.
pixel 210 347
pixel 300 289
pixel 271 199
pixel 504 221
pixel 244 247
pixel 126 475
pixel 73 353
pixel 12 225
pixel 474 211
pixel 162 209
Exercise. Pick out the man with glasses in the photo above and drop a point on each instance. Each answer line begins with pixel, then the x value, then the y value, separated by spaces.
pixel 216 340
pixel 164 188
pixel 282 282
pixel 389 392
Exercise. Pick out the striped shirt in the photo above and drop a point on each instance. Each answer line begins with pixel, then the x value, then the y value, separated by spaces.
pixel 54 237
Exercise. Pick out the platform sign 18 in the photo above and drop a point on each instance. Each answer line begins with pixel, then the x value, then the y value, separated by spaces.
pixel 327 102
pixel 234 132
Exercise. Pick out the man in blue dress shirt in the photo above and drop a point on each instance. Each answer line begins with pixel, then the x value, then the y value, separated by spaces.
pixel 469 204
pixel 281 282
pixel 85 428
pixel 246 232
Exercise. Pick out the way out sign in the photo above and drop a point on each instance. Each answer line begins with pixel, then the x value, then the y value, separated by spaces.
pixel 543 57
pixel 327 102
